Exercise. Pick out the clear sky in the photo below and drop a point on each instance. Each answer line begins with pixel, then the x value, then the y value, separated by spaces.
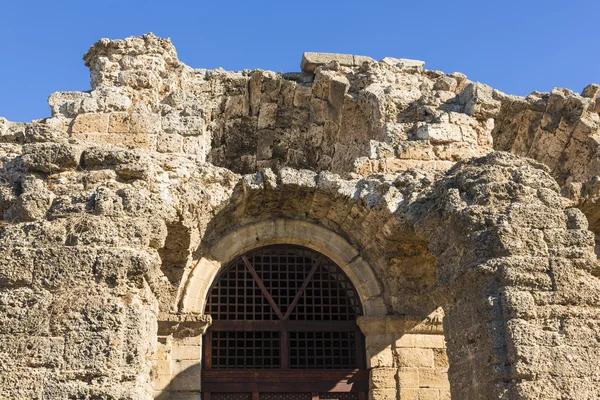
pixel 514 46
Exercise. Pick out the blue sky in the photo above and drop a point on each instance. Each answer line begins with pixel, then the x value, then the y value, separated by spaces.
pixel 514 46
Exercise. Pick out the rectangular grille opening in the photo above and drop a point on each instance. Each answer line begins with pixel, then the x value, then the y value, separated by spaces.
pixel 246 350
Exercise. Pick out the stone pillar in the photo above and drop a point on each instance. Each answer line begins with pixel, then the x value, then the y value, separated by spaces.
pixel 178 360
pixel 522 311
pixel 406 357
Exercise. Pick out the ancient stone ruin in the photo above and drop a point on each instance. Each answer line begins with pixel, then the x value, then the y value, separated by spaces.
pixel 357 230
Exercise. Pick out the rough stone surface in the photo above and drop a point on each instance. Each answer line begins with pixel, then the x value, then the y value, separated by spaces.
pixel 110 205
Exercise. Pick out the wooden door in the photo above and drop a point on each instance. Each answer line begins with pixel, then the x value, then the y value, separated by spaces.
pixel 284 328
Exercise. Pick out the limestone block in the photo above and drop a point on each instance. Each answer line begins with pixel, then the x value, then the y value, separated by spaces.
pixel 169 143
pixel 92 351
pixel 408 377
pixel 118 123
pixel 30 206
pixel 51 157
pixel 415 150
pixel 310 61
pixel 383 394
pixel 478 101
pixel 111 98
pixel 338 88
pixel 363 166
pixel 393 165
pixel 140 79
pixel 405 340
pixel 161 382
pixel 440 359
pixel 420 394
pixel 302 96
pixel 183 125
pixel 68 104
pixel 38 132
pixel 380 357
pixel 396 132
pixel 145 123
pixel 31 351
pixel 267 115
pixel 139 140
pixel 461 80
pixel 380 341
pixel 383 378
pixel 470 135
pixel 457 151
pixel 439 133
pixel 193 145
pixel 161 367
pixel 375 306
pixel 414 357
pixel 433 378
pixel 188 380
pixel 90 123
pixel 185 352
pixel 591 91
pixel 127 163
pixel 237 106
pixel 447 83
pixel 377 149
pixel 319 111
pixel 405 64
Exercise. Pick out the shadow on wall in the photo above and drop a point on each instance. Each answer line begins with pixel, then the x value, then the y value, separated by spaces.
pixel 187 384
pixel 184 385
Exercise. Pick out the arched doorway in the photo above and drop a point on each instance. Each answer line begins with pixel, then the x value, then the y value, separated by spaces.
pixel 284 328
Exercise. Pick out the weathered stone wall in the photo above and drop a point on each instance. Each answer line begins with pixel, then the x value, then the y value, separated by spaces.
pixel 521 316
pixel 119 209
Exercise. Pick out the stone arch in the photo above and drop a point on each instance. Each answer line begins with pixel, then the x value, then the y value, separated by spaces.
pixel 282 231
pixel 370 216
pixel 366 226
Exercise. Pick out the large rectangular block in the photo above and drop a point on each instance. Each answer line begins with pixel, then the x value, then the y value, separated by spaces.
pixel 419 394
pixel 429 341
pixel 380 357
pixel 90 123
pixel 414 357
pixel 383 378
pixel 383 394
pixel 118 122
pixel 186 352
pixel 433 378
pixel 310 60
pixel 145 123
pixel 408 377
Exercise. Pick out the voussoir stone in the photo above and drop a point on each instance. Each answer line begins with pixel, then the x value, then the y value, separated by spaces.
pixel 51 157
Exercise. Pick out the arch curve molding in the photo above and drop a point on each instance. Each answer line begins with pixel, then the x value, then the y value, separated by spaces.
pixel 213 258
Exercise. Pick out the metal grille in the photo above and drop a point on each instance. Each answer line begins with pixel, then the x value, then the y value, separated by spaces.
pixel 322 350
pixel 237 296
pixel 338 396
pixel 231 396
pixel 285 396
pixel 242 350
pixel 329 296
pixel 283 271
pixel 283 307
